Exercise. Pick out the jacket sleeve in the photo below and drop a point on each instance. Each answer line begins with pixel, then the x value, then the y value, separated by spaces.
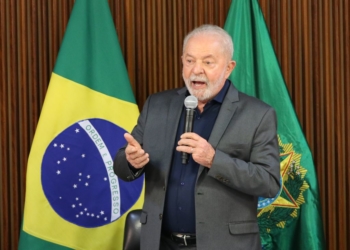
pixel 121 166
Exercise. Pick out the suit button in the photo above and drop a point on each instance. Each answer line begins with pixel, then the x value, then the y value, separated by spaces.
pixel 160 216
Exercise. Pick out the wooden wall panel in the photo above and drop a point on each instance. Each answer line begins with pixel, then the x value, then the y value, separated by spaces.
pixel 312 43
pixel 151 37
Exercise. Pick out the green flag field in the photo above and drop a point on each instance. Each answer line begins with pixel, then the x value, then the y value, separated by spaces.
pixel 292 219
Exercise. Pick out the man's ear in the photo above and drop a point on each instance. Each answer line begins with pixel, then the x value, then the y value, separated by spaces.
pixel 230 66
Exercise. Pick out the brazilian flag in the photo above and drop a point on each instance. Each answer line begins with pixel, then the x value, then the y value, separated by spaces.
pixel 73 198
pixel 292 219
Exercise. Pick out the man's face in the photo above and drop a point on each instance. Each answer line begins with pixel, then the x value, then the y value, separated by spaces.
pixel 205 66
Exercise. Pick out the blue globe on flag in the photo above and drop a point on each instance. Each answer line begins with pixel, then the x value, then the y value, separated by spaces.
pixel 78 178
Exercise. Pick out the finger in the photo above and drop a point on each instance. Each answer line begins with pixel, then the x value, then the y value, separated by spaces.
pixel 185 149
pixel 132 150
pixel 131 140
pixel 141 164
pixel 189 135
pixel 140 161
pixel 186 142
pixel 134 154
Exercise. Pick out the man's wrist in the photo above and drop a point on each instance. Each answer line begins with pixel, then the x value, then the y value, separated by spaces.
pixel 136 171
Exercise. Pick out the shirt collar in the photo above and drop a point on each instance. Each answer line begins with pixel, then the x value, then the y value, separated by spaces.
pixel 221 95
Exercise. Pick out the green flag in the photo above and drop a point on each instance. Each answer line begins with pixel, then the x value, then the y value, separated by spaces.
pixel 291 220
pixel 73 198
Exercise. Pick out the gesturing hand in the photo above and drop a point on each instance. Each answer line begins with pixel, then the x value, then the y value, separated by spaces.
pixel 135 155
pixel 201 150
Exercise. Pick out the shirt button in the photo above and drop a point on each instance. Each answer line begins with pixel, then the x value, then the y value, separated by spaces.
pixel 182 183
pixel 160 216
pixel 180 208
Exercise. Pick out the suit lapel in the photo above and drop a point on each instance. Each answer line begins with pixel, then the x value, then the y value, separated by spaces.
pixel 174 113
pixel 172 121
pixel 227 110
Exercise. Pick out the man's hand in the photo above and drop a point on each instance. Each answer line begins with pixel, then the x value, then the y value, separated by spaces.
pixel 135 155
pixel 201 150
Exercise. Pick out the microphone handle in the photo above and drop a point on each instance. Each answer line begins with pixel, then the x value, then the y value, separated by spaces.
pixel 188 128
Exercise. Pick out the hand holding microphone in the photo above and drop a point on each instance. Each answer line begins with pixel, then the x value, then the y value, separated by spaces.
pixel 191 143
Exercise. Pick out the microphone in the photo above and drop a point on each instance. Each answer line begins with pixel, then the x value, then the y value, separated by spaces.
pixel 191 103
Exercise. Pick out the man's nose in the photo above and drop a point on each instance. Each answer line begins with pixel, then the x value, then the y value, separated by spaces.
pixel 197 68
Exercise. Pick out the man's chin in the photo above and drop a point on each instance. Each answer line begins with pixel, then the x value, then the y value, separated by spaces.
pixel 201 95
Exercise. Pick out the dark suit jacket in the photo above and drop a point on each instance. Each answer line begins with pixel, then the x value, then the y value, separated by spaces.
pixel 245 166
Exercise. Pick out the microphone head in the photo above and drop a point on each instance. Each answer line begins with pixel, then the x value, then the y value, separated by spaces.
pixel 191 102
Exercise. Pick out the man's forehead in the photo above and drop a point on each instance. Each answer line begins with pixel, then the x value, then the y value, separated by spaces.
pixel 203 47
pixel 203 56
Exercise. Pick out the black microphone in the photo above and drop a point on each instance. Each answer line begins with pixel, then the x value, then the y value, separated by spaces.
pixel 191 103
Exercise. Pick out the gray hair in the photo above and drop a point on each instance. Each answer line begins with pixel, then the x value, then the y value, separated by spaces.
pixel 210 29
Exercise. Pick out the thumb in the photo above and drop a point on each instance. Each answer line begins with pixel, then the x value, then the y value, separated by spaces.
pixel 131 140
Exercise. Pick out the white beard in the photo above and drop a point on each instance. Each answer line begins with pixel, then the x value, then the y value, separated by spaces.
pixel 207 93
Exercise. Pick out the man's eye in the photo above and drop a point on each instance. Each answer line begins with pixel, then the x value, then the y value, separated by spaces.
pixel 189 61
pixel 207 62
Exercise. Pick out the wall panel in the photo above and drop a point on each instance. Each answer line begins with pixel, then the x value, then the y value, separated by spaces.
pixel 311 40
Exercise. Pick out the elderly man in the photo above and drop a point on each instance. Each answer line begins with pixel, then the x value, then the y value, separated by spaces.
pixel 210 202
